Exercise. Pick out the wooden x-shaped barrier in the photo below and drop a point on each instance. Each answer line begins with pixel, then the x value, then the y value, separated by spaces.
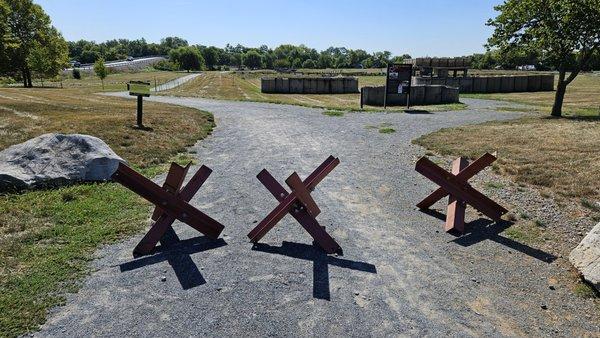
pixel 461 192
pixel 299 204
pixel 171 201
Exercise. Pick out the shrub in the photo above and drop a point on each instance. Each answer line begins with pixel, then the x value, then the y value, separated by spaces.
pixel 309 64
pixel 166 65
pixel 76 74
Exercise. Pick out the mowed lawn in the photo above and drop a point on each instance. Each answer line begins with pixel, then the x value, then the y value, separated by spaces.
pixel 89 83
pixel 245 86
pixel 582 99
pixel 47 237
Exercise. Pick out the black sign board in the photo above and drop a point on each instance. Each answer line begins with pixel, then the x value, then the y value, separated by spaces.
pixel 398 80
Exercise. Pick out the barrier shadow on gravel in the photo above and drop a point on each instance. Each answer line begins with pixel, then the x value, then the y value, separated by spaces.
pixel 321 262
pixel 417 111
pixel 178 254
pixel 485 229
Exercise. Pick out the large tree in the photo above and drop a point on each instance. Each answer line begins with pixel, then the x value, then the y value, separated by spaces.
pixel 252 59
pixel 188 58
pixel 28 27
pixel 50 56
pixel 565 32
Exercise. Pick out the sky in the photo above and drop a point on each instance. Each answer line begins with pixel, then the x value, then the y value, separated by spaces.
pixel 419 28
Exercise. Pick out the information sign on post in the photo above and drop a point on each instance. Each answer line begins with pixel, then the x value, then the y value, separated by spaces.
pixel 398 81
pixel 140 89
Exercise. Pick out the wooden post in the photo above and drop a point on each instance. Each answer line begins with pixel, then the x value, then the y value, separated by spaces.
pixel 140 111
pixel 455 215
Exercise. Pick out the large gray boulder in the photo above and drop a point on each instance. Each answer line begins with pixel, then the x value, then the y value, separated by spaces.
pixel 56 159
pixel 586 257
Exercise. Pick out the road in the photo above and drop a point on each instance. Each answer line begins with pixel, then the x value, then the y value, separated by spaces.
pixel 399 275
pixel 121 65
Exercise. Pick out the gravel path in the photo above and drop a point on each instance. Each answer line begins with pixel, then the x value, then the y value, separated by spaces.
pixel 400 274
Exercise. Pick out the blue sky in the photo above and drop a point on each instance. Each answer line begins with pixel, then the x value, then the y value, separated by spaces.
pixel 420 28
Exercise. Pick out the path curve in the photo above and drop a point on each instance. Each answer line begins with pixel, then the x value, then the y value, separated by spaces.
pixel 399 274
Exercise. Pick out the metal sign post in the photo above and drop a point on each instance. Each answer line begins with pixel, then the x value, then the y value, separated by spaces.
pixel 398 81
pixel 140 89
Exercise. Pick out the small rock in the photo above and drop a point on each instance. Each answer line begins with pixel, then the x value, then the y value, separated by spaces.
pixel 552 287
pixel 544 307
pixel 163 278
pixel 356 293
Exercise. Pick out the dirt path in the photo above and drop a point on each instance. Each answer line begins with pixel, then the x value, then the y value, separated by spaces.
pixel 400 274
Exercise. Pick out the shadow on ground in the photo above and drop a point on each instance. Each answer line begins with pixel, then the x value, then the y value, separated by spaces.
pixel 485 229
pixel 321 262
pixel 178 254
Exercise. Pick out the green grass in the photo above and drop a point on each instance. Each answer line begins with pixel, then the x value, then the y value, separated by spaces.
pixel 333 113
pixel 387 130
pixel 494 185
pixel 585 290
pixel 48 238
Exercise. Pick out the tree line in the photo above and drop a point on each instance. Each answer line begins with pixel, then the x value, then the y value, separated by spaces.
pixel 211 57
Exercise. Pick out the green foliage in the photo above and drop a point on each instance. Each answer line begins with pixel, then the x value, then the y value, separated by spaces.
pixel 566 32
pixel 166 65
pixel 100 70
pixel 188 58
pixel 26 29
pixel 252 59
pixel 387 130
pixel 281 63
pixel 309 64
pixel 48 58
pixel 76 74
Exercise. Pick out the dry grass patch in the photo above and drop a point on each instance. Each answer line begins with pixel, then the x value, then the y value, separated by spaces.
pixel 246 87
pixel 582 98
pixel 560 155
pixel 26 113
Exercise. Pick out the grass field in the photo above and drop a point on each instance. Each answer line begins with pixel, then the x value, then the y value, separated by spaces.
pixel 47 237
pixel 246 87
pixel 90 83
pixel 582 98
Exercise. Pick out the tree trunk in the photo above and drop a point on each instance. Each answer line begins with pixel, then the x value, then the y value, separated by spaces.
pixel 29 82
pixel 24 74
pixel 559 97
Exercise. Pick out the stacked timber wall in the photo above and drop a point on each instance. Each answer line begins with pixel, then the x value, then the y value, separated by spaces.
pixel 419 95
pixel 309 85
pixel 493 84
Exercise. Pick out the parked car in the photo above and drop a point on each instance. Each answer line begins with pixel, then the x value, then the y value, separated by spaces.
pixel 130 58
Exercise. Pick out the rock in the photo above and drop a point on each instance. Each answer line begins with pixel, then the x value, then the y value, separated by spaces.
pixel 56 159
pixel 163 278
pixel 586 257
